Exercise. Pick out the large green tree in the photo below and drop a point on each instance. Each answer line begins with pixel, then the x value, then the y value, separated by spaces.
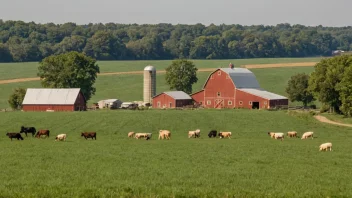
pixel 297 89
pixel 330 82
pixel 69 70
pixel 181 75
pixel 16 98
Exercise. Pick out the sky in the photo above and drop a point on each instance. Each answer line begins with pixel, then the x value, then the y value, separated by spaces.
pixel 245 12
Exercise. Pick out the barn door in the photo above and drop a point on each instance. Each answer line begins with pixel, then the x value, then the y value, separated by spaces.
pixel 219 103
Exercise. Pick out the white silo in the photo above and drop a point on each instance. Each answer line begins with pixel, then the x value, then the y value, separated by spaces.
pixel 149 88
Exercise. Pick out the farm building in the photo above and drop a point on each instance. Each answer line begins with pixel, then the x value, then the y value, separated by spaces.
pixel 172 99
pixel 236 87
pixel 54 100
pixel 110 103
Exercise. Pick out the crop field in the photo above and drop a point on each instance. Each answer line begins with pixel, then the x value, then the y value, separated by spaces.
pixel 130 87
pixel 251 164
pixel 27 70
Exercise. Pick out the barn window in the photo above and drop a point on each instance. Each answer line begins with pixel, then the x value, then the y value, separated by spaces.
pixel 170 104
pixel 229 102
pixel 158 103
pixel 241 102
pixel 250 102
pixel 219 73
pixel 219 94
pixel 208 102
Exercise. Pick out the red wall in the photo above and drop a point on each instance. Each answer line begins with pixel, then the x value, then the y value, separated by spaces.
pixel 221 82
pixel 48 107
pixel 165 100
pixel 198 97
pixel 246 98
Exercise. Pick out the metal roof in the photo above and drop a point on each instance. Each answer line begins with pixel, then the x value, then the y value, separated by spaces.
pixel 149 68
pixel 109 100
pixel 242 77
pixel 264 94
pixel 51 96
pixel 178 95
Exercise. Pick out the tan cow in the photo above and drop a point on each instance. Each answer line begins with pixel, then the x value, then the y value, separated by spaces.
pixel 60 137
pixel 325 147
pixel 195 134
pixel 164 134
pixel 225 134
pixel 292 134
pixel 279 136
pixel 308 134
pixel 130 134
pixel 140 135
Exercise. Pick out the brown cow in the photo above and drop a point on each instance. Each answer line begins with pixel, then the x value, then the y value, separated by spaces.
pixel 14 135
pixel 42 132
pixel 89 135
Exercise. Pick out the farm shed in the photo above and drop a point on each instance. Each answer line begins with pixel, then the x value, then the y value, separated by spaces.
pixel 236 87
pixel 110 103
pixel 172 99
pixel 54 100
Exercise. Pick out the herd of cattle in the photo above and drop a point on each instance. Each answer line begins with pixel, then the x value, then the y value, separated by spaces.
pixel 163 134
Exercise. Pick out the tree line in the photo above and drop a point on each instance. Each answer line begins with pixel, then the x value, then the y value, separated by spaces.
pixel 20 41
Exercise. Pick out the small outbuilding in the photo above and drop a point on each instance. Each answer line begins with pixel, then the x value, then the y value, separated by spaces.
pixel 110 103
pixel 172 99
pixel 63 99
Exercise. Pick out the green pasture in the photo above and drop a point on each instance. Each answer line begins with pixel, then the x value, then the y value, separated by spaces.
pixel 338 118
pixel 130 87
pixel 251 164
pixel 26 70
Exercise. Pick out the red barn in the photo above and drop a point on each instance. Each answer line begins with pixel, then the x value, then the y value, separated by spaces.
pixel 236 87
pixel 172 99
pixel 54 100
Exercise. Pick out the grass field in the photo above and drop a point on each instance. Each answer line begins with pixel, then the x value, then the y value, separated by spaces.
pixel 248 165
pixel 130 87
pixel 26 70
pixel 338 118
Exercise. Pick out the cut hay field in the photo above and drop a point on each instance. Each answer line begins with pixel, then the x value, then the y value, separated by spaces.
pixel 130 87
pixel 251 164
pixel 28 70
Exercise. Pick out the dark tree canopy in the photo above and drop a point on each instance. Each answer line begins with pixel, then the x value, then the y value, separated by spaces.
pixel 69 70
pixel 16 98
pixel 297 89
pixel 181 75
pixel 20 41
pixel 331 83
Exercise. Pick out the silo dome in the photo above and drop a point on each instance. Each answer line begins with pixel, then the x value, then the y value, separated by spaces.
pixel 149 68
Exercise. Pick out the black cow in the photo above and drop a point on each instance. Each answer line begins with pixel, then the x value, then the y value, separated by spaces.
pixel 26 130
pixel 212 133
pixel 14 135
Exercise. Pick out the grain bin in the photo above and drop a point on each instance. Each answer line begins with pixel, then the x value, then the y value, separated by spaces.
pixel 149 88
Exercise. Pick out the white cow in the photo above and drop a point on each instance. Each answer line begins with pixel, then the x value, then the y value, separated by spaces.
pixel 306 135
pixel 325 147
pixel 60 137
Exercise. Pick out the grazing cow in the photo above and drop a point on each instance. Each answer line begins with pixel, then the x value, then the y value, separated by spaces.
pixel 130 134
pixel 60 137
pixel 308 134
pixel 26 130
pixel 278 136
pixel 195 134
pixel 164 134
pixel 292 134
pixel 89 135
pixel 42 132
pixel 325 147
pixel 140 135
pixel 212 133
pixel 225 134
pixel 14 135
pixel 271 134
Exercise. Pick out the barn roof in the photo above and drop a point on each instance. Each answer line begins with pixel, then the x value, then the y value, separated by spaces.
pixel 177 95
pixel 61 96
pixel 263 94
pixel 242 77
